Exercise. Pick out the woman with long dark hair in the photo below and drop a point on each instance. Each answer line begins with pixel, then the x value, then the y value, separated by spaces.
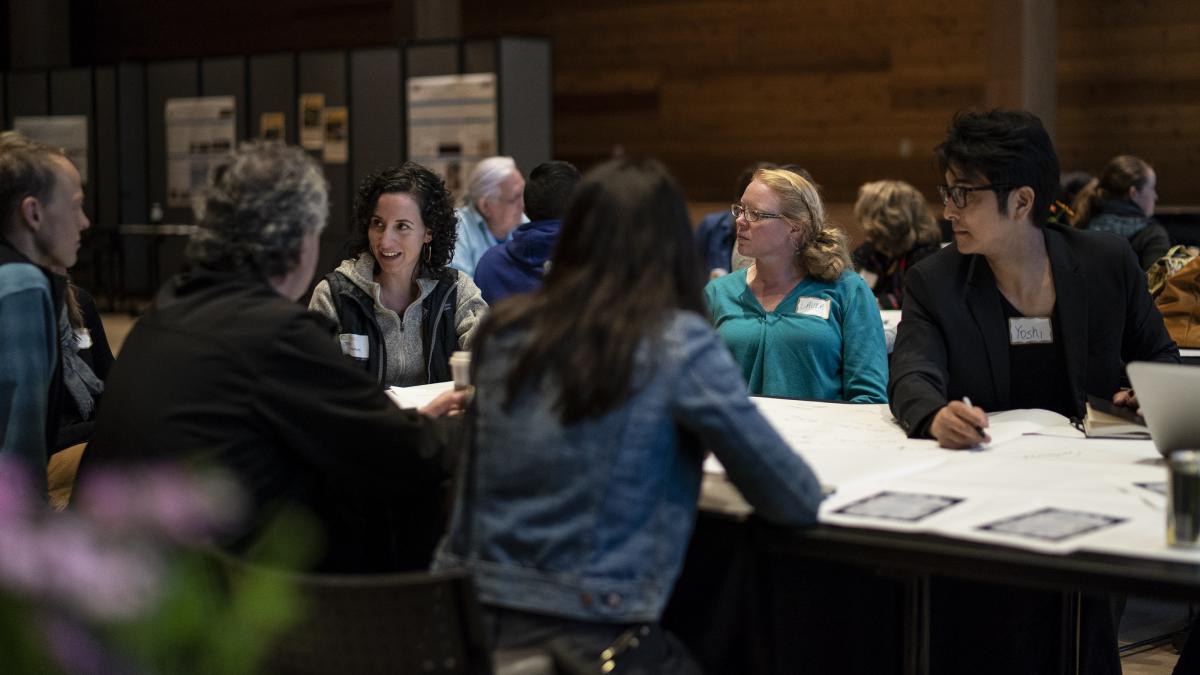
pixel 592 399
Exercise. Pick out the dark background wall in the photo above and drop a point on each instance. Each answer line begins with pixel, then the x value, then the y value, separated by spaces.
pixel 852 89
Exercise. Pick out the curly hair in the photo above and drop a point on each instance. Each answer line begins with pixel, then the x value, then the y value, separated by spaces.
pixel 432 197
pixel 257 210
pixel 823 249
pixel 894 216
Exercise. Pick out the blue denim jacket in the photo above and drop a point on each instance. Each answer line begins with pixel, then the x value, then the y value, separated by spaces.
pixel 591 521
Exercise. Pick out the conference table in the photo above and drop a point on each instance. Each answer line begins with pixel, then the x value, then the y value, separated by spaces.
pixel 1042 507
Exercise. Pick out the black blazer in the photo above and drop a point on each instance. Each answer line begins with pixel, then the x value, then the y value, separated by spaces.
pixel 953 338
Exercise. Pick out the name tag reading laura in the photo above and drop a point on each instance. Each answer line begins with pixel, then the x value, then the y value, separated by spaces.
pixel 354 346
pixel 818 307
pixel 1030 330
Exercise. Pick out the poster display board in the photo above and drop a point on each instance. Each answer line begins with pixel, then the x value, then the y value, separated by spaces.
pixel 452 124
pixel 68 132
pixel 271 126
pixel 337 135
pixel 201 132
pixel 312 121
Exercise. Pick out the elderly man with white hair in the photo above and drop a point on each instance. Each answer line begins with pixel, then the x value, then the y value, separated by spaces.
pixel 492 208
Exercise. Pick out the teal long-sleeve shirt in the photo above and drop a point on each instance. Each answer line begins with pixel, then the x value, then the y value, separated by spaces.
pixel 823 341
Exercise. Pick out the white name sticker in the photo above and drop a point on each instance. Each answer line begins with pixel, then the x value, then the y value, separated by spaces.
pixel 354 346
pixel 1030 330
pixel 83 339
pixel 813 307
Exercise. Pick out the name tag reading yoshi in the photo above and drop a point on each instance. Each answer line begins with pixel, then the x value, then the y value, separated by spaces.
pixel 818 307
pixel 354 346
pixel 1030 330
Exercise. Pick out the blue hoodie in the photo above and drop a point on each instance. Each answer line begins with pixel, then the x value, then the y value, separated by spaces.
pixel 517 265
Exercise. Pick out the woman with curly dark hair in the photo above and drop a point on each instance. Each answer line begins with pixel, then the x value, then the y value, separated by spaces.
pixel 401 312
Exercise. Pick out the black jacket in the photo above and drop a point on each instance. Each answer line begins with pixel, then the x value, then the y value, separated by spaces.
pixel 439 339
pixel 224 370
pixel 953 338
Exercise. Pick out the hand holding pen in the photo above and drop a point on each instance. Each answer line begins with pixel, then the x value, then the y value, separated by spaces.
pixel 960 425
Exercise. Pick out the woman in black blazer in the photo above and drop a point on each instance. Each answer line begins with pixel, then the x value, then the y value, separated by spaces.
pixel 1015 314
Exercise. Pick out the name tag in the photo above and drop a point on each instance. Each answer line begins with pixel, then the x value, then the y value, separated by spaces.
pixel 1030 330
pixel 83 339
pixel 354 346
pixel 818 307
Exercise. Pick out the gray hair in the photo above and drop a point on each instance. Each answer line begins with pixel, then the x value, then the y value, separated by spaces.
pixel 486 178
pixel 258 209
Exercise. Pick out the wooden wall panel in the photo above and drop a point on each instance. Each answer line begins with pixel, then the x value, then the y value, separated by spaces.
pixel 854 90
pixel 1129 83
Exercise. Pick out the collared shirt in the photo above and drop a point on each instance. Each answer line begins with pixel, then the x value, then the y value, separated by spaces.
pixel 823 341
pixel 474 238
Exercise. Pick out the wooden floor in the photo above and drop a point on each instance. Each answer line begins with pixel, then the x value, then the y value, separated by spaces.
pixel 1157 660
pixel 1153 661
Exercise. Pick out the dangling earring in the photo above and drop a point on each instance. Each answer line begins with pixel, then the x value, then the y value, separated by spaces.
pixel 428 254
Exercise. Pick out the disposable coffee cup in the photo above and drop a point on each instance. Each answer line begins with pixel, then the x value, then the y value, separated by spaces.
pixel 460 369
pixel 1183 499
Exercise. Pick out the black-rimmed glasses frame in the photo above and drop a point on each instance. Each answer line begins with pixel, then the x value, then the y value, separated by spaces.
pixel 958 193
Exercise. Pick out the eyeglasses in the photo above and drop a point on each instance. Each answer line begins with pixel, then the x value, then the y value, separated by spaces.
pixel 958 193
pixel 751 215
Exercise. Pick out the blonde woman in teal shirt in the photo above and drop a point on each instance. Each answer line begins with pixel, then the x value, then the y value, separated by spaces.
pixel 799 321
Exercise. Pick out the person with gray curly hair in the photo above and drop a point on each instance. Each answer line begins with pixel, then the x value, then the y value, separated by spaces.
pixel 263 213
pixel 227 368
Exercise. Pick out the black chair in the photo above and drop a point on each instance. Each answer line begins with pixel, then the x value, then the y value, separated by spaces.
pixel 393 623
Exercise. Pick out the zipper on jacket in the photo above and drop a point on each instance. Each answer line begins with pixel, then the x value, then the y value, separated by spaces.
pixel 433 333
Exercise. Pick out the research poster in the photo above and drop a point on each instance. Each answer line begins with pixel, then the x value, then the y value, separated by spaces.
pixel 312 121
pixel 201 132
pixel 452 124
pixel 271 126
pixel 337 135
pixel 67 132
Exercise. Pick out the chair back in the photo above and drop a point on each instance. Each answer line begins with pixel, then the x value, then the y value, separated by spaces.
pixel 426 622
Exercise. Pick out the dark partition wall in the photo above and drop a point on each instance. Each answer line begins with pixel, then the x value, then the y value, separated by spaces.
pixel 171 79
pixel 432 59
pixel 71 94
pixel 376 111
pixel 227 77
pixel 28 94
pixel 272 90
pixel 479 56
pixel 131 121
pixel 106 157
pixel 524 92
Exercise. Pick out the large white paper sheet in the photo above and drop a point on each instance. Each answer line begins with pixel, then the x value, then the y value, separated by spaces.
pixel 1040 485
pixel 417 396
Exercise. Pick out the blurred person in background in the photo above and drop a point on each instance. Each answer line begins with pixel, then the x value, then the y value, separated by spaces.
pixel 899 231
pixel 1122 201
